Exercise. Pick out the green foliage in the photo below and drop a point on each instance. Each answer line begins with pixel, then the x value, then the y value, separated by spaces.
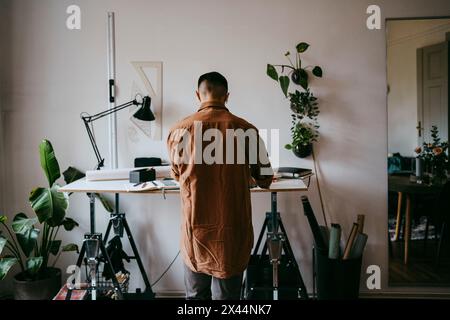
pixel 303 134
pixel 73 174
pixel 27 245
pixel 303 104
pixel 49 205
pixel 272 72
pixel 435 156
pixel 284 83
pixel 302 47
pixel 49 163
pixel 6 264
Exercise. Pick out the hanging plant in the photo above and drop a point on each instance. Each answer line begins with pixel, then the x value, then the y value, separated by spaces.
pixel 303 103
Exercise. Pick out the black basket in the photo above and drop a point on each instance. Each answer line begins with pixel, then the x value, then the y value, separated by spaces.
pixel 336 278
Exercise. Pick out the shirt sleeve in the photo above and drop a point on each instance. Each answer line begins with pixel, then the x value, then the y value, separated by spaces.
pixel 262 171
pixel 171 147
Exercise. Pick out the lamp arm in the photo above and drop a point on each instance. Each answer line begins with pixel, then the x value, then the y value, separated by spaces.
pixel 88 119
pixel 110 111
pixel 100 160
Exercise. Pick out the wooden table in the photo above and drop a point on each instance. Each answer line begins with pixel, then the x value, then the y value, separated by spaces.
pixel 405 188
pixel 123 186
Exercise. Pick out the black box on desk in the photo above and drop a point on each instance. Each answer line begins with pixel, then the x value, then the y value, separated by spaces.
pixel 142 175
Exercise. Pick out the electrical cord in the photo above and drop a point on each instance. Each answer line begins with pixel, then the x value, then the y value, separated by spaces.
pixel 167 269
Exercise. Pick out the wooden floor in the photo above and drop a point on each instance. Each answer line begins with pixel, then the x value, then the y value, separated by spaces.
pixel 421 269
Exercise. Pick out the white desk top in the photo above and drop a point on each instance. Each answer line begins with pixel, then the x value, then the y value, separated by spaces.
pixel 123 186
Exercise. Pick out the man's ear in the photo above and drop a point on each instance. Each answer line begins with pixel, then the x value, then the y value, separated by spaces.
pixel 227 96
pixel 198 95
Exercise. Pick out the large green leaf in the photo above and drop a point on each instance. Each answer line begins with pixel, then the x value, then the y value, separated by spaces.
pixel 284 84
pixel 49 204
pixel 272 72
pixel 69 224
pixel 22 224
pixel 70 247
pixel 2 243
pixel 48 162
pixel 105 202
pixel 54 246
pixel 28 240
pixel 302 46
pixel 34 264
pixel 303 78
pixel 317 71
pixel 72 174
pixel 5 265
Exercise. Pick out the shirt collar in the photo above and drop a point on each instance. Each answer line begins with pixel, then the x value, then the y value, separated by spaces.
pixel 212 103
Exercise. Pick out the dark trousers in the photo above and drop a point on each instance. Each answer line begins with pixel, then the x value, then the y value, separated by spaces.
pixel 204 287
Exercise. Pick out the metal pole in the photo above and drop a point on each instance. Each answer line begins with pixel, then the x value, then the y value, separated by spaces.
pixel 112 94
pixel 112 98
pixel 92 211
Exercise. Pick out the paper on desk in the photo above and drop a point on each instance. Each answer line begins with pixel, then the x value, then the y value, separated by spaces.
pixel 123 173
pixel 153 185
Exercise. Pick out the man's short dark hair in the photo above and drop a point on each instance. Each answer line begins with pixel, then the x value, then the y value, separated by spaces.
pixel 214 79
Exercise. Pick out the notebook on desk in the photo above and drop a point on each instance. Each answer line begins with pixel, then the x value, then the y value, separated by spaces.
pixel 166 184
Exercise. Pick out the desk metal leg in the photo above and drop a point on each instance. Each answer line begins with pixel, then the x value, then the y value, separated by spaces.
pixel 148 287
pixel 399 216
pixel 407 228
pixel 92 211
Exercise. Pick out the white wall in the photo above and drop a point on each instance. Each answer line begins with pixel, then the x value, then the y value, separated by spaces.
pixel 404 38
pixel 54 74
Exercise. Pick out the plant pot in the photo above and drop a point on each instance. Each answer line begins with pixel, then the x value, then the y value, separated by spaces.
pixel 303 151
pixel 42 289
pixel 337 279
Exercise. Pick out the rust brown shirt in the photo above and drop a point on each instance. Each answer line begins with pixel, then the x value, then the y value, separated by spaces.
pixel 216 230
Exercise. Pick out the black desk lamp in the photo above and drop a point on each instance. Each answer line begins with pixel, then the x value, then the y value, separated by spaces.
pixel 144 113
pixel 117 220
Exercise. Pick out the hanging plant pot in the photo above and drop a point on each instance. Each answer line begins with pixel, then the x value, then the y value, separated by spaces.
pixel 303 151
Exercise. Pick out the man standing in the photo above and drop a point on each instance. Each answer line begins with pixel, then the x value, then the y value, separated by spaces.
pixel 215 156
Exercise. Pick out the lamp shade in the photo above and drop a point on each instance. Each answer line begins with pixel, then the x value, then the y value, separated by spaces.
pixel 144 113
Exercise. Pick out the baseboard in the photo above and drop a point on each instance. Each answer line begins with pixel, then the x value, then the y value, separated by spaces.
pixel 363 295
pixel 405 295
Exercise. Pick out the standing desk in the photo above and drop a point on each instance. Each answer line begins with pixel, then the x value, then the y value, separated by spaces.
pixel 124 187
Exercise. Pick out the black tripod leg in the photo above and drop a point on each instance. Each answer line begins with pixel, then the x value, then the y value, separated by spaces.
pixel 108 265
pixel 260 237
pixel 79 262
pixel 148 287
pixel 81 255
pixel 288 249
pixel 108 230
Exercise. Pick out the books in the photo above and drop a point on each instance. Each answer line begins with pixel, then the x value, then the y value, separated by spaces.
pixel 293 173
pixel 76 294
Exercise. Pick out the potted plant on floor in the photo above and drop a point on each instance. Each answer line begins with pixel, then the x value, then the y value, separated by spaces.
pixel 34 248
pixel 303 103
